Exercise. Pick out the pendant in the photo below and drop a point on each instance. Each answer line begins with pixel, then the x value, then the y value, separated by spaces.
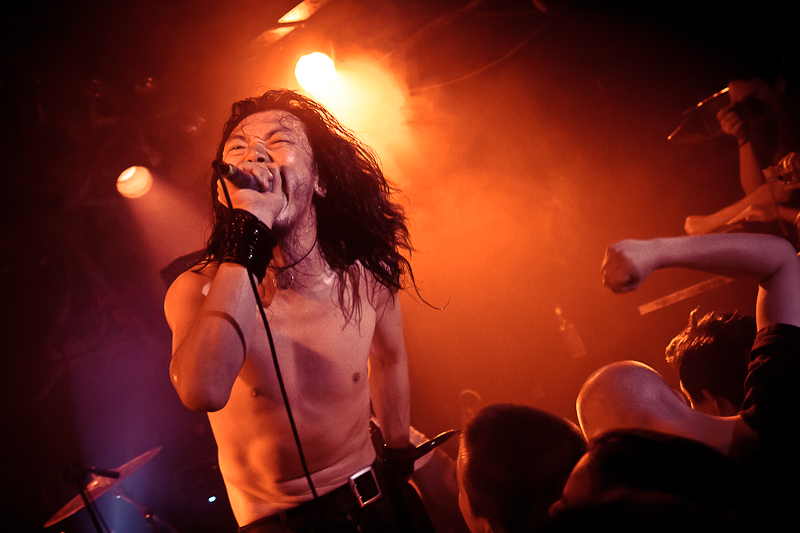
pixel 283 280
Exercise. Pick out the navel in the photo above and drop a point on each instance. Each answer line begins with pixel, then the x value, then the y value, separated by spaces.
pixel 356 377
pixel 255 393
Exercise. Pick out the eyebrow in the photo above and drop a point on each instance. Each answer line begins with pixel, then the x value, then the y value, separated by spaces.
pixel 270 133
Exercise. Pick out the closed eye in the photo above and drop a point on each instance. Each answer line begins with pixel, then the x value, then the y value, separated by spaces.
pixel 233 148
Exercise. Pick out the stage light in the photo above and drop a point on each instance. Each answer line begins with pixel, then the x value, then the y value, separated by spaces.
pixel 315 72
pixel 134 182
pixel 212 499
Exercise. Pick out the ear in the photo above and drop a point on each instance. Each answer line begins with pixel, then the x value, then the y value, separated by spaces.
pixel 319 189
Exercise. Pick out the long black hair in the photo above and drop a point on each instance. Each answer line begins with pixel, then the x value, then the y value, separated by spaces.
pixel 357 222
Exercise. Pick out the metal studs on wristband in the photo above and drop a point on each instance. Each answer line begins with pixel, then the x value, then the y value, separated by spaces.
pixel 248 242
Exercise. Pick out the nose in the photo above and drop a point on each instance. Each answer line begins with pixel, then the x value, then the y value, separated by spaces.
pixel 257 154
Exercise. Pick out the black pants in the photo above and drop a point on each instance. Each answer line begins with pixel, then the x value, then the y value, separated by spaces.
pixel 398 510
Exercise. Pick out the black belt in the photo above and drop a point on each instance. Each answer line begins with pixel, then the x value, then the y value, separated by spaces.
pixel 364 488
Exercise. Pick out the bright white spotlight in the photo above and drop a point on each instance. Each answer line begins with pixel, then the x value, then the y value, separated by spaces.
pixel 315 72
pixel 134 182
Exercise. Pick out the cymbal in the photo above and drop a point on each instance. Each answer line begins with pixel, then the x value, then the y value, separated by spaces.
pixel 99 485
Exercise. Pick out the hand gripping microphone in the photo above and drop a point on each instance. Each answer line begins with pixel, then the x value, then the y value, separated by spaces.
pixel 239 178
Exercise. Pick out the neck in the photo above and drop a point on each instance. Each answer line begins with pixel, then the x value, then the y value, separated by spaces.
pixel 296 240
pixel 716 431
pixel 298 263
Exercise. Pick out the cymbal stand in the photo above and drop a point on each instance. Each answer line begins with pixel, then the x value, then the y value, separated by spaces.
pixel 77 476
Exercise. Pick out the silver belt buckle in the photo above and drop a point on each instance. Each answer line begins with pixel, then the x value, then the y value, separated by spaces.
pixel 364 485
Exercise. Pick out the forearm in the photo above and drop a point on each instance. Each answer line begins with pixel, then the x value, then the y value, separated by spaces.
pixel 762 195
pixel 767 260
pixel 764 259
pixel 789 214
pixel 753 257
pixel 388 379
pixel 391 399
pixel 750 171
pixel 208 352
pixel 765 196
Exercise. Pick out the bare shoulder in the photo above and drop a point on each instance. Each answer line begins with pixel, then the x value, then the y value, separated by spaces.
pixel 188 291
pixel 379 296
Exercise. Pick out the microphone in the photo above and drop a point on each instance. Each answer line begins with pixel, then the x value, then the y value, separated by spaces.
pixel 428 446
pixel 241 179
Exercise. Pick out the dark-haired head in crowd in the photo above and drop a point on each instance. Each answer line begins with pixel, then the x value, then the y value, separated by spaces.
pixel 711 355
pixel 512 465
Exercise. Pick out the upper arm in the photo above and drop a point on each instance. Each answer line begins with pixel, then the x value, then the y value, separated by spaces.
pixel 779 293
pixel 208 322
pixel 388 343
pixel 183 301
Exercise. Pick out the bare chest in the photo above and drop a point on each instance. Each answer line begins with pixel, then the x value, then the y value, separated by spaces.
pixel 321 357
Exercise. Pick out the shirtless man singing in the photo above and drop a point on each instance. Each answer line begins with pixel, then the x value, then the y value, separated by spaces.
pixel 307 210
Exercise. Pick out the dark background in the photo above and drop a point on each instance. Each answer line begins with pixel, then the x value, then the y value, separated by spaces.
pixel 524 142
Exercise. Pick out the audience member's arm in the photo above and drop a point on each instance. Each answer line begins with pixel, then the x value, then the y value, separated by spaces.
pixel 768 194
pixel 769 261
pixel 767 213
pixel 750 175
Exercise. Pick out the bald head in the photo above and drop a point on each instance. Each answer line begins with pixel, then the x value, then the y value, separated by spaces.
pixel 631 395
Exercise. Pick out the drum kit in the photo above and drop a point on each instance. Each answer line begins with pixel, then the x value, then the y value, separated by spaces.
pixel 94 482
